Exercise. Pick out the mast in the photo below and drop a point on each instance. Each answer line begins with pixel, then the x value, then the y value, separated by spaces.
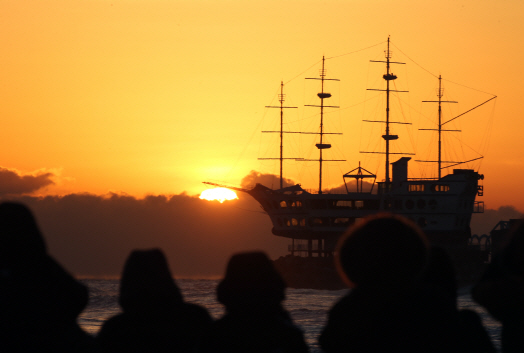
pixel 440 94
pixel 388 76
pixel 323 95
pixel 281 98
pixel 387 137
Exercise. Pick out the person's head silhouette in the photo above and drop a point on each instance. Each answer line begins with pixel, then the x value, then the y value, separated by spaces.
pixel 382 250
pixel 251 280
pixel 147 282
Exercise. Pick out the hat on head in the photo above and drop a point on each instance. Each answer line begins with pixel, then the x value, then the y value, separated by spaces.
pixel 385 249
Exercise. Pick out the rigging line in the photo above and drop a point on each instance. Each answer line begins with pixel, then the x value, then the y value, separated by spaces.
pixel 418 111
pixel 463 143
pixel 357 104
pixel 263 118
pixel 429 72
pixel 356 51
pixel 285 83
pixel 474 89
pixel 404 116
pixel 470 109
pixel 247 144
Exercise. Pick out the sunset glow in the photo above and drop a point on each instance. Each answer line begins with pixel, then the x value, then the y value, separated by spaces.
pixel 218 194
pixel 154 97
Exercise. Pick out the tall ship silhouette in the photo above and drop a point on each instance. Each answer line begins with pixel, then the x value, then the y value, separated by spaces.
pixel 441 206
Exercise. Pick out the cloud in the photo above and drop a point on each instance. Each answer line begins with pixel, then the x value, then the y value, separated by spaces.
pixel 269 180
pixel 93 235
pixel 273 181
pixel 14 183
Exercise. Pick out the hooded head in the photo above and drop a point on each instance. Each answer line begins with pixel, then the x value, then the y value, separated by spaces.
pixel 251 282
pixel 33 285
pixel 147 283
pixel 20 239
pixel 382 250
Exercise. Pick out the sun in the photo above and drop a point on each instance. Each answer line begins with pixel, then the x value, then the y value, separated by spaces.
pixel 219 194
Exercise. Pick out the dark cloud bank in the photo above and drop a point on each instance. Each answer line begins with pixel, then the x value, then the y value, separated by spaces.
pixel 12 183
pixel 92 235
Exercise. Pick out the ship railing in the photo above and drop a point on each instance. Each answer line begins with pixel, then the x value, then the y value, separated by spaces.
pixel 483 242
pixel 302 247
pixel 478 207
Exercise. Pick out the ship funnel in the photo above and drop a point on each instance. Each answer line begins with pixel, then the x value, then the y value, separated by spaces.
pixel 400 170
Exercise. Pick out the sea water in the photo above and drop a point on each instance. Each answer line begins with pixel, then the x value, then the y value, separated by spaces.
pixel 308 307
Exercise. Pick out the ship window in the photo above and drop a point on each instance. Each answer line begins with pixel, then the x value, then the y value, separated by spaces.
pixel 283 204
pixel 298 204
pixel 315 221
pixel 359 205
pixel 344 203
pixel 421 204
pixel 341 221
pixel 410 204
pixel 288 223
pixel 440 188
pixel 302 222
pixel 416 188
pixel 294 222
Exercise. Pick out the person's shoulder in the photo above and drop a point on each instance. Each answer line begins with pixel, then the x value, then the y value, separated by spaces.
pixel 194 313
pixel 194 309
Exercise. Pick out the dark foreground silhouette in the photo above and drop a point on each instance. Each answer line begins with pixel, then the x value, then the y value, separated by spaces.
pixel 403 299
pixel 391 307
pixel 255 321
pixel 471 335
pixel 155 317
pixel 501 291
pixel 39 300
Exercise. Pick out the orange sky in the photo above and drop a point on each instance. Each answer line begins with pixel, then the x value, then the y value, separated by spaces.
pixel 154 97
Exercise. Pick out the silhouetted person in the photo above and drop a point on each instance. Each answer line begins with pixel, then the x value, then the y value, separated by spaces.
pixel 39 300
pixel 155 318
pixel 471 334
pixel 255 321
pixel 501 291
pixel 390 308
